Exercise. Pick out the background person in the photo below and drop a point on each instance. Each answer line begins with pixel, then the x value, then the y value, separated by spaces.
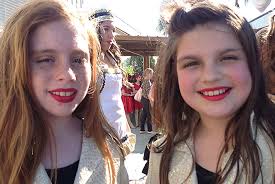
pixel 137 105
pixel 145 114
pixel 128 101
pixel 266 38
pixel 111 78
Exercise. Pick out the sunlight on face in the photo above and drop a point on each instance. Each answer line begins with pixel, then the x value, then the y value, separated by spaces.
pixel 107 33
pixel 60 67
pixel 212 70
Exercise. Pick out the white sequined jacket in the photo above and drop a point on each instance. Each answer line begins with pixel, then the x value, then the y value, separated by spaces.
pixel 182 160
pixel 92 168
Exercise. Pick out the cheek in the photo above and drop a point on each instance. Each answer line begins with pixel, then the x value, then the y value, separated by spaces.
pixel 85 75
pixel 104 37
pixel 242 76
pixel 186 83
pixel 38 78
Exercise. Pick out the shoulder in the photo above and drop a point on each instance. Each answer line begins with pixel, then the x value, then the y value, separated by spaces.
pixel 267 153
pixel 158 142
pixel 114 148
pixel 118 159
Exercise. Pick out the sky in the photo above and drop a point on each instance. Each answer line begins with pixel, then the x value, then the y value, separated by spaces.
pixel 140 17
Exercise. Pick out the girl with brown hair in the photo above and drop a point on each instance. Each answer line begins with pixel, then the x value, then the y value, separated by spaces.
pixel 266 39
pixel 51 126
pixel 111 77
pixel 217 119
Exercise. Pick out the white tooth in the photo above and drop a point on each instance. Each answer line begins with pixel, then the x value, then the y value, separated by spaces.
pixel 210 93
pixel 216 92
pixel 62 93
pixel 69 93
pixel 221 91
pixel 205 93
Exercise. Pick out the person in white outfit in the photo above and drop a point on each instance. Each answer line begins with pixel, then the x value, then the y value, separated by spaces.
pixel 110 78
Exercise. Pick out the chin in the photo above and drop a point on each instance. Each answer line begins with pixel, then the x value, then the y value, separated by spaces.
pixel 106 47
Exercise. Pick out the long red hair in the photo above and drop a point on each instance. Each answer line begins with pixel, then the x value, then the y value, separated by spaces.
pixel 23 132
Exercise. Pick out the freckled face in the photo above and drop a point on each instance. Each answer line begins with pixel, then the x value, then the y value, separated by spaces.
pixel 60 67
pixel 213 75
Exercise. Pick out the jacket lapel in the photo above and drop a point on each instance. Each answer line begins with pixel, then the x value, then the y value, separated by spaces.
pixel 41 176
pixel 182 161
pixel 89 160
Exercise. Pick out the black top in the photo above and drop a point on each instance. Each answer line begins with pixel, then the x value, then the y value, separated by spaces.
pixel 204 176
pixel 65 175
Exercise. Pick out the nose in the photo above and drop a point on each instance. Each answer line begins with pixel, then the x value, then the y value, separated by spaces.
pixel 211 72
pixel 111 35
pixel 64 71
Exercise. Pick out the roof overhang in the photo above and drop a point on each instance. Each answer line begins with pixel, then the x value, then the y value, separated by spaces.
pixel 140 45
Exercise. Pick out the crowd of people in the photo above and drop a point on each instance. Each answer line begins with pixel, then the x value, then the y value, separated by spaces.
pixel 67 107
pixel 138 112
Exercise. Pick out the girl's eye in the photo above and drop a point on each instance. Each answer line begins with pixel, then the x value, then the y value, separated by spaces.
pixel 79 60
pixel 229 58
pixel 45 60
pixel 106 30
pixel 190 64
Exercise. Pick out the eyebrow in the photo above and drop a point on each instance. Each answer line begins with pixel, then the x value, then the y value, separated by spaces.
pixel 110 27
pixel 44 51
pixel 81 52
pixel 194 57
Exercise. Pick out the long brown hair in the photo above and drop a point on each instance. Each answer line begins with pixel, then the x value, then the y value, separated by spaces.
pixel 266 39
pixel 23 131
pixel 169 104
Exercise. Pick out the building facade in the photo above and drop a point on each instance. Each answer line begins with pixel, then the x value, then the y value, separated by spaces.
pixel 7 7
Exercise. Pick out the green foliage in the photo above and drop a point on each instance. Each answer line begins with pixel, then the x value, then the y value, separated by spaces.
pixel 162 26
pixel 134 64
pixel 129 70
pixel 153 62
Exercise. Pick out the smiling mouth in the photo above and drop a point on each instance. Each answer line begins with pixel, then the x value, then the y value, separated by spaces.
pixel 215 94
pixel 63 96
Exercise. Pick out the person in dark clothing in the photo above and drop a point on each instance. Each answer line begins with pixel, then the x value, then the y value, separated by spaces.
pixel 146 115
pixel 146 154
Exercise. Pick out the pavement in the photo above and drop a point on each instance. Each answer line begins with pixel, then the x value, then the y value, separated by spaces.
pixel 134 162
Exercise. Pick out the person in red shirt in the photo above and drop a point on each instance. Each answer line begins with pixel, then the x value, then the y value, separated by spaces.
pixel 127 97
pixel 137 105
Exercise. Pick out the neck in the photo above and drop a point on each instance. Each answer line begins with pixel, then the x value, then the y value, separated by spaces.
pixel 64 147
pixel 104 52
pixel 212 127
pixel 64 126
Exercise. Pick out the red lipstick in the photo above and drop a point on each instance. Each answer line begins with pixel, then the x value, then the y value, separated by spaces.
pixel 63 95
pixel 215 94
